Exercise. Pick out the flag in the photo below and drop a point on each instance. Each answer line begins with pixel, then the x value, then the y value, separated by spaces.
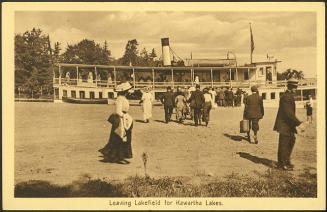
pixel 252 42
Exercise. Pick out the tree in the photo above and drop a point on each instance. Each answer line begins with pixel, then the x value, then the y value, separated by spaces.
pixel 32 60
pixel 130 56
pixel 153 55
pixel 87 52
pixel 288 73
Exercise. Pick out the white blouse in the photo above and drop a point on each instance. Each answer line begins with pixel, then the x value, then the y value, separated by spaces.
pixel 122 105
pixel 207 97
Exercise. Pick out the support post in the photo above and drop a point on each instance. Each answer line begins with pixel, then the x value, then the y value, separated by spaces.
pixel 77 75
pixel 301 95
pixel 236 74
pixel 96 76
pixel 192 77
pixel 153 78
pixel 249 76
pixel 172 77
pixel 115 77
pixel 211 76
pixel 230 77
pixel 133 78
pixel 59 75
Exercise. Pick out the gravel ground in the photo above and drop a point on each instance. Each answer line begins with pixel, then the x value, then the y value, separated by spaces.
pixel 59 143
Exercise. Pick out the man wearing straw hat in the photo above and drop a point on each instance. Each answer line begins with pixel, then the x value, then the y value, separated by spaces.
pixel 285 124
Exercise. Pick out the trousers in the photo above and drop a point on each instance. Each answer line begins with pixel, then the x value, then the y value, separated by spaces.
pixel 285 148
pixel 168 112
pixel 197 116
pixel 254 125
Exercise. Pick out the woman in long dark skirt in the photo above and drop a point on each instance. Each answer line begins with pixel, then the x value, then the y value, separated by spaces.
pixel 119 146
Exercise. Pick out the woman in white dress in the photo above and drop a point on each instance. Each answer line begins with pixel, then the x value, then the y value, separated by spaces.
pixel 146 100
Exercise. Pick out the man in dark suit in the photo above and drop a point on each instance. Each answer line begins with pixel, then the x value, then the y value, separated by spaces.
pixel 197 101
pixel 231 97
pixel 285 124
pixel 253 111
pixel 168 102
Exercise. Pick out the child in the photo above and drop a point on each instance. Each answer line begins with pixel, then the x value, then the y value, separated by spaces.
pixel 308 106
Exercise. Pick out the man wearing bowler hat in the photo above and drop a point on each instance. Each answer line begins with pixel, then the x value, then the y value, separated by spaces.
pixel 253 111
pixel 168 102
pixel 197 101
pixel 285 124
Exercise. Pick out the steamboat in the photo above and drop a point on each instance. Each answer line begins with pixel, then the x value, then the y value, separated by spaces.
pixel 95 84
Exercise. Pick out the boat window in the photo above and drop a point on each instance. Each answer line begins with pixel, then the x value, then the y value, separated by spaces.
pixel 56 93
pixel 64 93
pixel 261 71
pixel 81 94
pixel 73 94
pixel 233 75
pixel 273 95
pixel 264 96
pixel 100 95
pixel 91 95
pixel 246 75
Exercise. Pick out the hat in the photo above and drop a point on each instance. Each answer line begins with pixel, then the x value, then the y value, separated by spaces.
pixel 191 89
pixel 148 88
pixel 168 88
pixel 292 81
pixel 197 86
pixel 123 87
pixel 254 88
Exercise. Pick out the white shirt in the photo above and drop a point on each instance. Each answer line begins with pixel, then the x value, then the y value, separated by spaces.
pixel 207 97
pixel 122 105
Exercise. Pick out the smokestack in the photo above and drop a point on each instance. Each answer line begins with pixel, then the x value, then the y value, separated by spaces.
pixel 165 52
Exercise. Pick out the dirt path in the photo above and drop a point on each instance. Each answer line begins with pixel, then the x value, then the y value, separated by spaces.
pixel 59 143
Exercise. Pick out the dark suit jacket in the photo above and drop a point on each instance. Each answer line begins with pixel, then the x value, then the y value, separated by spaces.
pixel 286 121
pixel 254 107
pixel 168 99
pixel 198 98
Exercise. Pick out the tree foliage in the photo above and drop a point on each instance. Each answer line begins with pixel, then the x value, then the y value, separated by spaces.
pixel 32 60
pixel 130 56
pixel 288 73
pixel 87 52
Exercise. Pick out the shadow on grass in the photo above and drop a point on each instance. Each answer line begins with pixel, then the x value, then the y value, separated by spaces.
pixel 273 183
pixel 258 160
pixel 160 121
pixel 236 137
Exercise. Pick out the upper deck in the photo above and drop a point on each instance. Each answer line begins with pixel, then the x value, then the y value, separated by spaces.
pixel 101 76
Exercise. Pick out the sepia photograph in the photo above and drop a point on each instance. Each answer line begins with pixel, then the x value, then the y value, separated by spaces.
pixel 164 106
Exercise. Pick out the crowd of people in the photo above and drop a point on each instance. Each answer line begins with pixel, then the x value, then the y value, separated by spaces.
pixel 196 104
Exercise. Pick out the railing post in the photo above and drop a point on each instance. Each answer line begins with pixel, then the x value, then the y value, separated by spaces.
pixel 301 94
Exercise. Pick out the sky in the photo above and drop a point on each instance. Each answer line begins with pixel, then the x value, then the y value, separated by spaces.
pixel 287 36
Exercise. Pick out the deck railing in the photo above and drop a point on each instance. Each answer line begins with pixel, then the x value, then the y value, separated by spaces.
pixel 310 82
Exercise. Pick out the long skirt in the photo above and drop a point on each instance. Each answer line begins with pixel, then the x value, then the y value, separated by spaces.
pixel 147 110
pixel 116 149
